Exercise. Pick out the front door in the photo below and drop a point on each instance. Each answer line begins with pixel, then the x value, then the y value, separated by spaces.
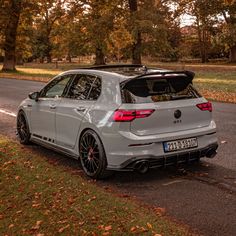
pixel 43 111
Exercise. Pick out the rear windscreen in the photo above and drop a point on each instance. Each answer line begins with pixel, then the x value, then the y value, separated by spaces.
pixel 157 90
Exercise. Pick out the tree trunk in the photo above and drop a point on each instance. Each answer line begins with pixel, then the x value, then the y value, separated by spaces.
pixel 232 57
pixel 49 58
pixel 204 51
pixel 99 59
pixel 137 45
pixel 68 58
pixel 10 36
pixel 19 60
pixel 136 50
pixel 48 51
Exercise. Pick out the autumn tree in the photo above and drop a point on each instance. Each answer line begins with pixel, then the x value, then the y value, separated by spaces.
pixel 49 13
pixel 3 20
pixel 227 8
pixel 99 20
pixel 208 17
pixel 205 20
pixel 69 35
pixel 24 39
pixel 136 32
pixel 13 8
pixel 203 11
pixel 119 40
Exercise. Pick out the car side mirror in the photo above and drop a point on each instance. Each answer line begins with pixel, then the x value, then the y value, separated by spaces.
pixel 34 96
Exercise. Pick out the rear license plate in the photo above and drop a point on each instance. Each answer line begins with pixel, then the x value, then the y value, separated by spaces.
pixel 182 144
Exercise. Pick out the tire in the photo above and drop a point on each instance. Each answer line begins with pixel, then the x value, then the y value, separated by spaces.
pixel 92 156
pixel 23 128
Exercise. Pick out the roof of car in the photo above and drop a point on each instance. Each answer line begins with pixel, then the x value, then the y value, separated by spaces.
pixel 100 73
pixel 123 72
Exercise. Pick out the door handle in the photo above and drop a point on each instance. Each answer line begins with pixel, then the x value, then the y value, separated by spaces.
pixel 81 109
pixel 53 106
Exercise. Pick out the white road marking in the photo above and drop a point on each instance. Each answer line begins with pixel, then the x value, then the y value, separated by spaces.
pixel 173 182
pixel 7 113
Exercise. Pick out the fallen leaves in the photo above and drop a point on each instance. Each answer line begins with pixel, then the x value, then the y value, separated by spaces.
pixel 107 228
pixel 10 226
pixel 139 229
pixel 36 205
pixel 37 225
pixel 63 228
pixel 219 95
pixel 149 225
pixel 70 200
pixel 160 211
pixel 65 203
pixel 49 181
pixel 9 163
pixel 92 199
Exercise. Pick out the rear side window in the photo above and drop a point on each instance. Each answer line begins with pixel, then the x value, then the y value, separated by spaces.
pixel 85 87
pixel 151 90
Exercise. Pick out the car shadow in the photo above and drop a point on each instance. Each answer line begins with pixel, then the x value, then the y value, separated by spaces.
pixel 123 177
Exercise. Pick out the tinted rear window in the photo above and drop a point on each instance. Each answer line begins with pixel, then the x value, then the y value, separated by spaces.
pixel 158 90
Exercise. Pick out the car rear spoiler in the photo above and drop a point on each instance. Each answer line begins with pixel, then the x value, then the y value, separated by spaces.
pixel 187 74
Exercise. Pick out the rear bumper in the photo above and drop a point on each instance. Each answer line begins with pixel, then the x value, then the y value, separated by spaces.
pixel 125 154
pixel 170 160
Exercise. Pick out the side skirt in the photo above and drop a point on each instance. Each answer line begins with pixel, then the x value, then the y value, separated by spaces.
pixel 55 148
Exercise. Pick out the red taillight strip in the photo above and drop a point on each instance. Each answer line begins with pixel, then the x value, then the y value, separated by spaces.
pixel 129 115
pixel 207 106
pixel 124 115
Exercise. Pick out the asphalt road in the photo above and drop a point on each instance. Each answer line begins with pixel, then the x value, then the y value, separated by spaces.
pixel 202 196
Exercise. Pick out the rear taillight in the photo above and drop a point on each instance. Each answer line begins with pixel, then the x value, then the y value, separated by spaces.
pixel 207 106
pixel 129 115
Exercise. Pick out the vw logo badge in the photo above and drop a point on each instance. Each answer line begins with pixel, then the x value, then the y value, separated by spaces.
pixel 177 114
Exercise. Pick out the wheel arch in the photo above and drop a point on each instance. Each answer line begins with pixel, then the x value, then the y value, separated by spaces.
pixel 26 117
pixel 98 135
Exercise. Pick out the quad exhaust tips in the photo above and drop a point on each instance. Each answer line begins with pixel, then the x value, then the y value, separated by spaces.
pixel 142 167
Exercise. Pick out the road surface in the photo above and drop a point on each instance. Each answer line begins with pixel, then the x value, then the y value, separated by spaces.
pixel 202 196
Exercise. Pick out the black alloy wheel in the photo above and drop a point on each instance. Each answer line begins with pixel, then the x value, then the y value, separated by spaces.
pixel 23 128
pixel 92 155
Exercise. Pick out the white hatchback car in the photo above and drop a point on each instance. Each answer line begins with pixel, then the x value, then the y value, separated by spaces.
pixel 123 117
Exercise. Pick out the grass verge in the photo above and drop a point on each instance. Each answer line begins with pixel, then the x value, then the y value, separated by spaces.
pixel 215 82
pixel 41 198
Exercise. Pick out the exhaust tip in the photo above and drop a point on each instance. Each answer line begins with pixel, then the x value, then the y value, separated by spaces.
pixel 142 167
pixel 211 153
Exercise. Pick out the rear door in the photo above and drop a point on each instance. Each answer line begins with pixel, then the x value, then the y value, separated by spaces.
pixel 74 106
pixel 174 100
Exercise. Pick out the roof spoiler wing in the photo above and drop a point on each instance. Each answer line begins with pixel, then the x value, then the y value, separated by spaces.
pixel 189 75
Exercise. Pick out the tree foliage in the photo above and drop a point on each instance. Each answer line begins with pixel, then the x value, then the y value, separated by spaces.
pixel 115 29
